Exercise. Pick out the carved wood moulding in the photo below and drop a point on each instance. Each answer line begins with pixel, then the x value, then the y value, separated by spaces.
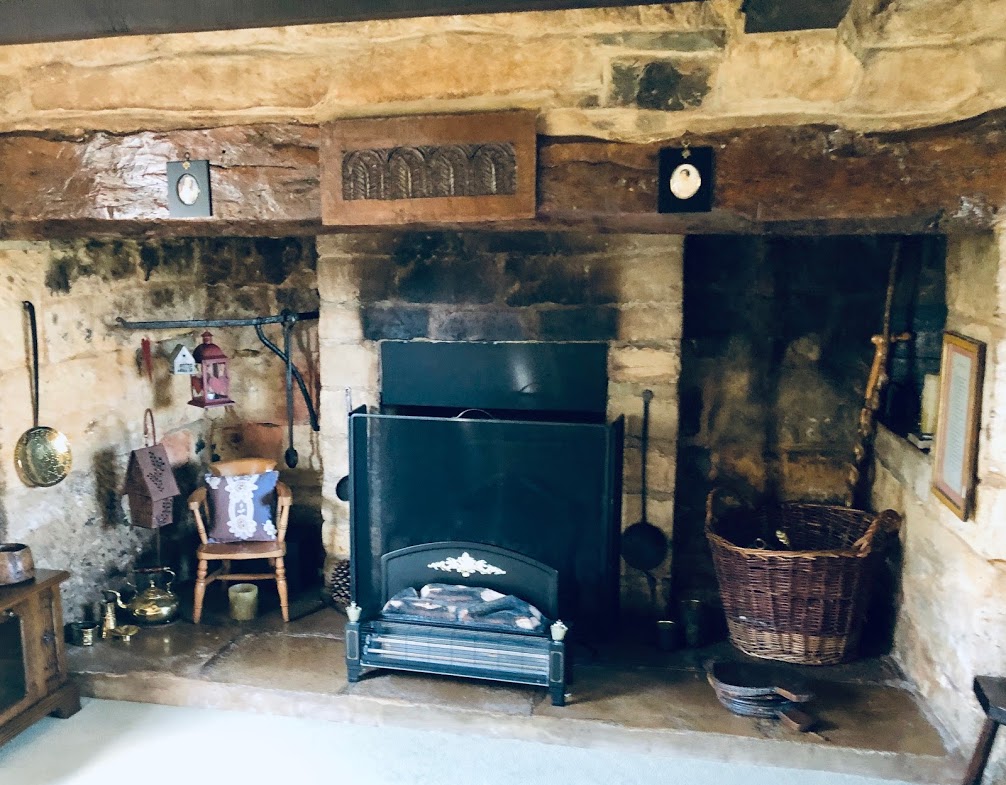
pixel 430 172
pixel 458 168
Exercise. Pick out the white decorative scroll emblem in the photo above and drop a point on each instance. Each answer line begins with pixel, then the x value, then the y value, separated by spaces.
pixel 466 565
pixel 241 505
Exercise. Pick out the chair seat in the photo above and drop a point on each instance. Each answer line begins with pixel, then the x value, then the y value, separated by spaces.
pixel 991 693
pixel 241 550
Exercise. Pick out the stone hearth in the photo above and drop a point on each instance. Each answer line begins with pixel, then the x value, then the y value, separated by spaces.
pixel 872 724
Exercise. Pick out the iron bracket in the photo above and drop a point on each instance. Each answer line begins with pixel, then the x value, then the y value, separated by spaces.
pixel 284 317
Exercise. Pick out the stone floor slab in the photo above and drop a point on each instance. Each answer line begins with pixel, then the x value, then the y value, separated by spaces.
pixel 463 694
pixel 648 698
pixel 851 714
pixel 180 648
pixel 885 719
pixel 282 662
pixel 308 616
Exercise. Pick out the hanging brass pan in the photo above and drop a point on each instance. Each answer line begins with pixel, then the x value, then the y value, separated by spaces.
pixel 42 454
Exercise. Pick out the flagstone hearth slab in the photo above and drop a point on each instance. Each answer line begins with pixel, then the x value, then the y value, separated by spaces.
pixel 306 618
pixel 281 662
pixel 443 691
pixel 180 649
pixel 871 726
pixel 649 698
pixel 852 715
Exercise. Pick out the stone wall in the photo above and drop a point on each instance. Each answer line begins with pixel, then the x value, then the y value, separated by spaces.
pixel 94 389
pixel 493 286
pixel 635 73
pixel 245 278
pixel 952 620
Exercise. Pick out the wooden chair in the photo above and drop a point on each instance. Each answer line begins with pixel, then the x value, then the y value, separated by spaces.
pixel 991 694
pixel 237 551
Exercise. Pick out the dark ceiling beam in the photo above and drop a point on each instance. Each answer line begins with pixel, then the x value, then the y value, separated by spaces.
pixel 32 21
pixel 265 181
pixel 773 16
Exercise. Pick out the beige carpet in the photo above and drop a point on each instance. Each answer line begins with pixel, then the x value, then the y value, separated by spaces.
pixel 116 742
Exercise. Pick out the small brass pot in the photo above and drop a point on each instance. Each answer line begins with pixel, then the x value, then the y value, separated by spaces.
pixel 84 633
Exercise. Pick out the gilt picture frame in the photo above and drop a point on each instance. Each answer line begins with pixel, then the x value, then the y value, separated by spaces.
pixel 955 451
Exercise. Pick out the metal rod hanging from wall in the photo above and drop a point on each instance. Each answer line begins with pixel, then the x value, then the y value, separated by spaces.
pixel 285 317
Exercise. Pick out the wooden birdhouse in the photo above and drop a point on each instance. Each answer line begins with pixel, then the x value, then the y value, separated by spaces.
pixel 182 361
pixel 150 487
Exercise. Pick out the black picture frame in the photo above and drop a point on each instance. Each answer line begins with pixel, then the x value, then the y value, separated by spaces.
pixel 179 173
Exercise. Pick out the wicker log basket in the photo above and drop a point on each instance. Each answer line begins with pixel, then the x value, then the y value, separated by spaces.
pixel 798 596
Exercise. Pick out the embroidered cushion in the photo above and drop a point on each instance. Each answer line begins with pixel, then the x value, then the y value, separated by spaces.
pixel 241 507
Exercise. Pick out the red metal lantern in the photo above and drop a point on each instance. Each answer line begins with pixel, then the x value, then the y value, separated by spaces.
pixel 210 384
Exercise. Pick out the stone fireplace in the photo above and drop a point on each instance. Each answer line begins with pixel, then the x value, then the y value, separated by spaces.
pixel 633 292
pixel 819 132
pixel 624 290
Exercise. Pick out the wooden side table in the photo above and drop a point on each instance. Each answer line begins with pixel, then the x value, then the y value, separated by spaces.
pixel 34 680
pixel 991 693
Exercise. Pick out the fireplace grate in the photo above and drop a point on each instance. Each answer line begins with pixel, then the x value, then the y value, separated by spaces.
pixel 456 652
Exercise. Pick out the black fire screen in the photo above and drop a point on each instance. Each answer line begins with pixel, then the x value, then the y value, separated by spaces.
pixel 546 490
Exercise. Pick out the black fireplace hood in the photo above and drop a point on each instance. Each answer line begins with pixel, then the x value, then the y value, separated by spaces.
pixel 560 378
pixel 500 444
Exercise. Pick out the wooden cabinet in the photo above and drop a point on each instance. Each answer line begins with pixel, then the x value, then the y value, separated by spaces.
pixel 33 677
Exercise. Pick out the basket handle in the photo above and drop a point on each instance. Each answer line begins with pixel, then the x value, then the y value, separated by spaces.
pixel 888 520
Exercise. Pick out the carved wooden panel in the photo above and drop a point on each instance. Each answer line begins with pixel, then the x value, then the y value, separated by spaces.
pixel 432 169
pixel 430 172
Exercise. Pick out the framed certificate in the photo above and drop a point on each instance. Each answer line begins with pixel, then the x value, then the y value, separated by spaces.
pixel 955 454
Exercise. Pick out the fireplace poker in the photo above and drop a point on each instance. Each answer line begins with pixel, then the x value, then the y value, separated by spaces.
pixel 290 456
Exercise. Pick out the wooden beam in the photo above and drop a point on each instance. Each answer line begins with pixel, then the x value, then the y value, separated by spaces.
pixel 773 16
pixel 261 176
pixel 32 21
pixel 938 178
pixel 265 181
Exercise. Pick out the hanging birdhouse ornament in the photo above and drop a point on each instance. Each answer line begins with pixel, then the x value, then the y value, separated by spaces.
pixel 150 483
pixel 210 384
pixel 182 361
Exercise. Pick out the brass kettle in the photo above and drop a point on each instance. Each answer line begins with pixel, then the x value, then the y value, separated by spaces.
pixel 151 604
